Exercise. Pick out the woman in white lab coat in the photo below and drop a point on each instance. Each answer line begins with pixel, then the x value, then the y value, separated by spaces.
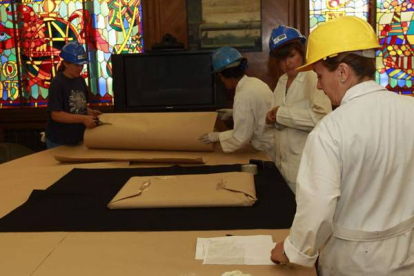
pixel 252 99
pixel 355 187
pixel 297 105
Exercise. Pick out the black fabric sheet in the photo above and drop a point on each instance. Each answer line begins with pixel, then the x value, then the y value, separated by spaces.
pixel 77 202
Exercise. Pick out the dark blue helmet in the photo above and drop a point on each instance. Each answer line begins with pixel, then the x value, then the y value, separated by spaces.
pixel 282 35
pixel 73 52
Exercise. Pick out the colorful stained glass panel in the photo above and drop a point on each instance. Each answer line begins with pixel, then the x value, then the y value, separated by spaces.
pixel 33 32
pixel 395 60
pixel 323 10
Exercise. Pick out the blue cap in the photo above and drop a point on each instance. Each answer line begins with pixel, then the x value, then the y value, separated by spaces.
pixel 225 57
pixel 282 35
pixel 73 52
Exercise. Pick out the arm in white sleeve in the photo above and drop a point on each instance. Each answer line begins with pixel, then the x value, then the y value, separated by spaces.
pixel 243 129
pixel 317 192
pixel 228 142
pixel 298 117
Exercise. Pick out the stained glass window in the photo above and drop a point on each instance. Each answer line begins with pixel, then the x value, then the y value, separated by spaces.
pixel 395 60
pixel 32 32
pixel 323 10
pixel 395 30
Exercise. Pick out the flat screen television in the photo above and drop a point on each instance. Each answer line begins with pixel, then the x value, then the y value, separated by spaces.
pixel 166 81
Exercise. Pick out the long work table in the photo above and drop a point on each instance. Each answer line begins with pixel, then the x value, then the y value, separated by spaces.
pixel 48 227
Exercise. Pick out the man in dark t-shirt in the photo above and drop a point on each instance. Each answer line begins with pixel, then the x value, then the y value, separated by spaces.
pixel 68 95
pixel 67 106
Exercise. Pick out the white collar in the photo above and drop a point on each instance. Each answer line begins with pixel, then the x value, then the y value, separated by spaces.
pixel 241 81
pixel 361 89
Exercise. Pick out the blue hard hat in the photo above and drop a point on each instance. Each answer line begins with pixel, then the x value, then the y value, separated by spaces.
pixel 225 57
pixel 282 35
pixel 73 52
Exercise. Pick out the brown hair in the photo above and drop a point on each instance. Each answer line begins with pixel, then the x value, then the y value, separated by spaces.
pixel 283 51
pixel 362 66
pixel 61 67
pixel 235 72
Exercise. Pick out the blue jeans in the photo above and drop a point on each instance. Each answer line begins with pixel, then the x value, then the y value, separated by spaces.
pixel 51 145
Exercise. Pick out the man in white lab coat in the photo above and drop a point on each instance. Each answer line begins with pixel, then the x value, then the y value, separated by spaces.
pixel 355 187
pixel 298 105
pixel 252 99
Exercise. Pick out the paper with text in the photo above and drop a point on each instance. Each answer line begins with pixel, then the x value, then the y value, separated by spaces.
pixel 241 250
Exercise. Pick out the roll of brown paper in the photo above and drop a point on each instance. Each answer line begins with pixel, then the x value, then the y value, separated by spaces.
pixel 175 131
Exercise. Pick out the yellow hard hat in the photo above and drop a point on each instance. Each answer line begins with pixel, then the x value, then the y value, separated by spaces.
pixel 342 34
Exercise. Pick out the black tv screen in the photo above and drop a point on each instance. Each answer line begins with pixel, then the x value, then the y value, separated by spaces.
pixel 166 81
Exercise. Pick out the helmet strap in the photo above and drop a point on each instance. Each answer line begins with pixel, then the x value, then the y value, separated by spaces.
pixel 369 53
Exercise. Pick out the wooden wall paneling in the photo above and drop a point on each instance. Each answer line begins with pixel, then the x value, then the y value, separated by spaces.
pixel 150 22
pixel 372 14
pixel 274 13
pixel 23 126
pixel 23 117
pixel 299 15
pixel 164 16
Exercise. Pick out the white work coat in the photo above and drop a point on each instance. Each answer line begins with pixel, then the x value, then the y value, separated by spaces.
pixel 355 188
pixel 252 99
pixel 300 109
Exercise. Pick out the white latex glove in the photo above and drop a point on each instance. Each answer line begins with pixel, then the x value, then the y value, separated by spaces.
pixel 209 137
pixel 225 113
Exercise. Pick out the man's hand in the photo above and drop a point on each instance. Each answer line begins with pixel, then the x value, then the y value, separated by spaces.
pixel 277 254
pixel 94 112
pixel 209 138
pixel 90 121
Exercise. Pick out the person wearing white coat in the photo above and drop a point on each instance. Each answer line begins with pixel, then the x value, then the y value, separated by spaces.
pixel 356 180
pixel 297 105
pixel 252 99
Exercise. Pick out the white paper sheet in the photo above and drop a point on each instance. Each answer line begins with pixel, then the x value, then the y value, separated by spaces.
pixel 239 250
